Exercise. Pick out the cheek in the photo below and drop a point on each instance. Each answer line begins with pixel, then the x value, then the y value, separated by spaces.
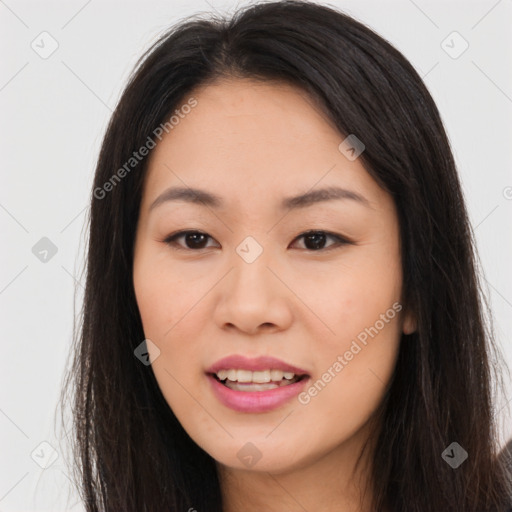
pixel 172 312
pixel 171 322
pixel 356 363
pixel 163 297
pixel 353 297
pixel 353 376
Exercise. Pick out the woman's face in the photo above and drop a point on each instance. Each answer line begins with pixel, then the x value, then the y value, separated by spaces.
pixel 251 284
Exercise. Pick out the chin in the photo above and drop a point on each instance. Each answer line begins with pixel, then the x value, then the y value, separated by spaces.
pixel 266 456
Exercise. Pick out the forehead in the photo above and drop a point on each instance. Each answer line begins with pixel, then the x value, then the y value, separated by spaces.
pixel 268 138
pixel 244 96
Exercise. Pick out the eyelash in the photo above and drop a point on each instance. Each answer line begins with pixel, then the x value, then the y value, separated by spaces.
pixel 340 241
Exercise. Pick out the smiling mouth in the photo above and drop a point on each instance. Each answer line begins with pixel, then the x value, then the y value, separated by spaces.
pixel 245 380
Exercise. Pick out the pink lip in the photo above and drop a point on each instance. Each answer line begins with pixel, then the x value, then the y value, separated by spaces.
pixel 255 401
pixel 260 363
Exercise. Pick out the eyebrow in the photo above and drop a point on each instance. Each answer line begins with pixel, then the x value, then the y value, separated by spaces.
pixel 202 197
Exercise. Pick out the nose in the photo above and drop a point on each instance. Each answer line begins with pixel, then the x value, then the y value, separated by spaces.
pixel 253 296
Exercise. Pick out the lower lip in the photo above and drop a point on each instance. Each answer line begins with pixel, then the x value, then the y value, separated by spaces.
pixel 256 401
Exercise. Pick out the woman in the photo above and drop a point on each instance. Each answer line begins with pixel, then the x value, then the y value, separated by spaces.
pixel 282 309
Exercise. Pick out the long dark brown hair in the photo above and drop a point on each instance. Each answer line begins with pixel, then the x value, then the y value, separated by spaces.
pixel 131 453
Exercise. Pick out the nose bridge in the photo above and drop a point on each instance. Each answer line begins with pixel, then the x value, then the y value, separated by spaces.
pixel 251 260
pixel 251 294
pixel 251 250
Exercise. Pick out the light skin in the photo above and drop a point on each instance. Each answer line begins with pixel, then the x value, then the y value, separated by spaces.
pixel 254 144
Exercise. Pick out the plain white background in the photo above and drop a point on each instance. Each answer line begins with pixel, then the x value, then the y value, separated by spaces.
pixel 54 113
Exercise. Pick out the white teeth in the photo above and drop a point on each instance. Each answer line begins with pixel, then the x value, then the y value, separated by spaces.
pixel 276 375
pixel 243 376
pixel 259 377
pixel 222 374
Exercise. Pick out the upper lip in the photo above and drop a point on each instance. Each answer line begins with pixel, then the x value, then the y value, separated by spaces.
pixel 254 364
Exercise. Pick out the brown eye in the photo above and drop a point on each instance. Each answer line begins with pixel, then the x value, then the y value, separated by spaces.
pixel 194 240
pixel 315 240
